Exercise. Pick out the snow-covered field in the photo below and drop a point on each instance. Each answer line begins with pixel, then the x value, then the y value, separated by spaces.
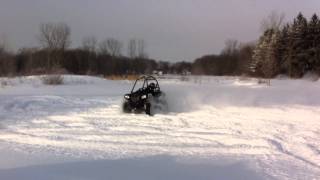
pixel 217 128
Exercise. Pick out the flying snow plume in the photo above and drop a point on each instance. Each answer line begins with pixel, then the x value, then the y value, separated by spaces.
pixel 191 96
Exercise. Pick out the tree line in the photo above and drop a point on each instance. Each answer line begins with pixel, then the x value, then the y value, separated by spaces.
pixel 95 58
pixel 232 61
pixel 292 49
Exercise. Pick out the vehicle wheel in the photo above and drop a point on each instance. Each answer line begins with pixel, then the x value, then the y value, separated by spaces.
pixel 126 108
pixel 148 109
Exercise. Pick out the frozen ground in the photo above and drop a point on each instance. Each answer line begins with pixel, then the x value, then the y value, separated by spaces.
pixel 217 128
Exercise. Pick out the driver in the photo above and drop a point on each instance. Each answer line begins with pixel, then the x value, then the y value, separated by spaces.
pixel 152 86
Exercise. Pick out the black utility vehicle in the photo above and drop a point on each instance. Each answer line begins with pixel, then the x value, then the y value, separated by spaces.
pixel 147 98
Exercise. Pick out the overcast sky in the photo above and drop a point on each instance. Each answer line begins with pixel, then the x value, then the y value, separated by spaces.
pixel 173 30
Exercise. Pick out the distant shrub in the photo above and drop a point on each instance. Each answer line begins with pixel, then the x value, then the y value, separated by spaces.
pixel 264 81
pixel 4 83
pixel 244 77
pixel 184 78
pixel 53 79
pixel 311 76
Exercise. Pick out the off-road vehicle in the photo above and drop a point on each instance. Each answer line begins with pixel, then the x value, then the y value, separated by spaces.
pixel 145 96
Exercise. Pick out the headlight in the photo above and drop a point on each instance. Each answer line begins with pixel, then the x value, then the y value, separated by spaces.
pixel 127 97
pixel 144 97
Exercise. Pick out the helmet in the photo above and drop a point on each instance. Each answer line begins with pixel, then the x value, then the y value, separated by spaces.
pixel 152 85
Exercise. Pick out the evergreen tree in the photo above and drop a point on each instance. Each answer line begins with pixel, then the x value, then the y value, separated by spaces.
pixel 298 47
pixel 259 54
pixel 313 39
pixel 282 49
pixel 266 55
pixel 270 65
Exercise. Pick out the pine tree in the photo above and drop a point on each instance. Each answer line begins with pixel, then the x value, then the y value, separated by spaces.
pixel 282 49
pixel 317 45
pixel 313 39
pixel 298 47
pixel 259 54
pixel 266 55
pixel 270 65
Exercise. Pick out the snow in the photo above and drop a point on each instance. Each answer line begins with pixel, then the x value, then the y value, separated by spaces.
pixel 217 128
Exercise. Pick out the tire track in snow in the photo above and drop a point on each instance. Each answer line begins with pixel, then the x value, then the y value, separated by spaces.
pixel 281 149
pixel 105 125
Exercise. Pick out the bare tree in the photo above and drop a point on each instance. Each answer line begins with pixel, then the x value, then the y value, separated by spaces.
pixel 103 47
pixel 136 48
pixel 111 47
pixel 89 43
pixel 4 45
pixel 7 64
pixel 274 21
pixel 2 48
pixel 55 36
pixel 141 49
pixel 231 47
pixel 132 48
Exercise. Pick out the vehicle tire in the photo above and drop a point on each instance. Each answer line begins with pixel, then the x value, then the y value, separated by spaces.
pixel 148 109
pixel 126 108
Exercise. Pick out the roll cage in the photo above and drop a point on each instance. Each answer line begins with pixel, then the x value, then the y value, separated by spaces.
pixel 147 80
